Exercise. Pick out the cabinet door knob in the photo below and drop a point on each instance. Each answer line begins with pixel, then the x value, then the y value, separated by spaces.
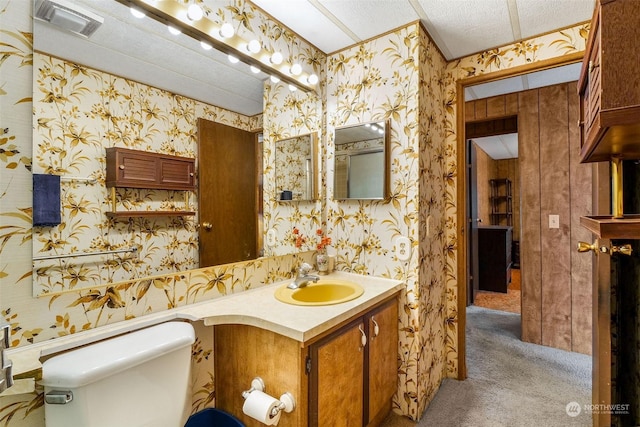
pixel 363 339
pixel 191 174
pixel 376 328
pixel 121 167
pixel 207 225
pixel 586 247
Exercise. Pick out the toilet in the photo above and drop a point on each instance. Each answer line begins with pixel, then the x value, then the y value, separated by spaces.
pixel 138 379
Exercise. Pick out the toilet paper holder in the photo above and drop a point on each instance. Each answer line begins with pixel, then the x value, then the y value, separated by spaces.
pixel 286 403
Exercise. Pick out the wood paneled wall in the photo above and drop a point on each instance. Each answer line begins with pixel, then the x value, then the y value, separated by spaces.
pixel 556 280
pixel 485 170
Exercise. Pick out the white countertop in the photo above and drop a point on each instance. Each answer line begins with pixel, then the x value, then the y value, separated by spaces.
pixel 256 307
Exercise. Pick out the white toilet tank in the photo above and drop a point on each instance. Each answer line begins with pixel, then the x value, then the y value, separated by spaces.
pixel 134 380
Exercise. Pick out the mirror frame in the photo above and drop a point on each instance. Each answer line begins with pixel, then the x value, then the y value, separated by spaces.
pixel 386 185
pixel 313 140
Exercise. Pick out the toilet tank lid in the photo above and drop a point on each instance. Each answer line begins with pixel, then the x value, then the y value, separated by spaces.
pixel 94 362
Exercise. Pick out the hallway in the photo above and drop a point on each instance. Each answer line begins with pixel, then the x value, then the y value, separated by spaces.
pixel 511 383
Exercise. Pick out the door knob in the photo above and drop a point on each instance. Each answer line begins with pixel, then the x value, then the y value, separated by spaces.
pixel 622 249
pixel 586 247
pixel 207 226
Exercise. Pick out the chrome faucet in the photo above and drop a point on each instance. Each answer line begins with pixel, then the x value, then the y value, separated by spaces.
pixel 303 277
pixel 6 367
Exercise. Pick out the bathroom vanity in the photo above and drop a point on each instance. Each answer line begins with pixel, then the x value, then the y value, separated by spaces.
pixel 344 376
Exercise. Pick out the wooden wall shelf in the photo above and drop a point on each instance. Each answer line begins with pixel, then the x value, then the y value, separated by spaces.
pixel 136 214
pixel 607 227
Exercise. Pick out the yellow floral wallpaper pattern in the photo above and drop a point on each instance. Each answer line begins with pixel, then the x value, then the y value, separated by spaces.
pixel 424 175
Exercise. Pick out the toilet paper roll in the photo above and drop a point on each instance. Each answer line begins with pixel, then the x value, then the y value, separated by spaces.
pixel 259 406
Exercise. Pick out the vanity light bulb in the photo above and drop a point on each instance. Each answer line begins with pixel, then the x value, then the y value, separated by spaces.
pixel 292 88
pixel 137 13
pixel 233 59
pixel 173 30
pixel 194 12
pixel 274 79
pixel 254 69
pixel 276 58
pixel 254 46
pixel 312 79
pixel 227 30
pixel 206 46
pixel 296 69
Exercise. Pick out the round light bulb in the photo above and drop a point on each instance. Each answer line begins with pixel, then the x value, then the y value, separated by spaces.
pixel 296 69
pixel 276 58
pixel 194 12
pixel 254 70
pixel 274 79
pixel 227 30
pixel 292 88
pixel 254 46
pixel 206 46
pixel 233 59
pixel 137 13
pixel 173 30
pixel 312 79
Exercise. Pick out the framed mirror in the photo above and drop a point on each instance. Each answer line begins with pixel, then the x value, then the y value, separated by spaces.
pixel 361 161
pixel 295 167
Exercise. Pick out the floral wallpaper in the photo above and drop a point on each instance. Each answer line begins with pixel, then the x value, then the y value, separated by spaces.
pixel 400 76
pixel 294 166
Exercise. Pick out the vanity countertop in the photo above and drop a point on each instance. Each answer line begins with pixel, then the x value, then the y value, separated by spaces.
pixel 256 307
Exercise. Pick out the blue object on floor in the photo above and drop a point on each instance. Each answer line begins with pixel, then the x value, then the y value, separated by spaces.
pixel 46 200
pixel 211 417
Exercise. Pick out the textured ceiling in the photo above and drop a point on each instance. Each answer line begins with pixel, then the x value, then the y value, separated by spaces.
pixel 143 50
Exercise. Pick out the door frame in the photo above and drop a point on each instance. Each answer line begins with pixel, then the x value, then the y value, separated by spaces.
pixel 461 182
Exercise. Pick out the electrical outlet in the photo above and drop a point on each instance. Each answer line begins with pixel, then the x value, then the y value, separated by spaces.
pixel 554 221
pixel 403 248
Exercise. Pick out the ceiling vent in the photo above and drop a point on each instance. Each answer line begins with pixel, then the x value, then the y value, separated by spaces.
pixel 69 16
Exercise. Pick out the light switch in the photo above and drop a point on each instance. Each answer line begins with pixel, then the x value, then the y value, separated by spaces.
pixel 554 221
pixel 403 248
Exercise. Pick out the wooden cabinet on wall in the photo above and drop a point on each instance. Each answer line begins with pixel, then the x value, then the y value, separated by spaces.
pixel 141 169
pixel 609 84
pixel 347 377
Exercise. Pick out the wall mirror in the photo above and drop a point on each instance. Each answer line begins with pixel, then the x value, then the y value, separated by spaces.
pixel 295 168
pixel 158 57
pixel 361 168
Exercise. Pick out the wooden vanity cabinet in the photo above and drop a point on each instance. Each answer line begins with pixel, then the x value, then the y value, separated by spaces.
pixel 609 84
pixel 336 380
pixel 141 169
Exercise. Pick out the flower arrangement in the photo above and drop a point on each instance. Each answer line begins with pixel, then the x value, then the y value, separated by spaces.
pixel 321 245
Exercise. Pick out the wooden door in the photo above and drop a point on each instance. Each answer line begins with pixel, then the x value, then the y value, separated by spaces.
pixel 337 379
pixel 383 361
pixel 227 194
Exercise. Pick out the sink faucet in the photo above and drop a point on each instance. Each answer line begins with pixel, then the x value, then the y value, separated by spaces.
pixel 303 277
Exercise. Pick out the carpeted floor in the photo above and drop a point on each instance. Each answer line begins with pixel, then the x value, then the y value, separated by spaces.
pixel 510 383
pixel 499 301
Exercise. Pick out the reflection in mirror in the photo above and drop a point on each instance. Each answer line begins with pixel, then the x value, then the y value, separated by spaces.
pixel 84 101
pixel 296 176
pixel 361 169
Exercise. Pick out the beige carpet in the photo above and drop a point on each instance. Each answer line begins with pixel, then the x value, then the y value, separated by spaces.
pixel 510 383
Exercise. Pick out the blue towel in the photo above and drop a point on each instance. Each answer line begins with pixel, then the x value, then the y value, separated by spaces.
pixel 46 200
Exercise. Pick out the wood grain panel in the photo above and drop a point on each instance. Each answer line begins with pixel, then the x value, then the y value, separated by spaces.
pixel 485 169
pixel 481 109
pixel 511 104
pixel 340 367
pixel 496 107
pixel 530 256
pixel 581 273
pixel 554 192
pixel 244 352
pixel 469 111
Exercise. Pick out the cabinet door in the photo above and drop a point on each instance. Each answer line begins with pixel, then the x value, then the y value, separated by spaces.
pixel 135 170
pixel 383 360
pixel 176 174
pixel 338 371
